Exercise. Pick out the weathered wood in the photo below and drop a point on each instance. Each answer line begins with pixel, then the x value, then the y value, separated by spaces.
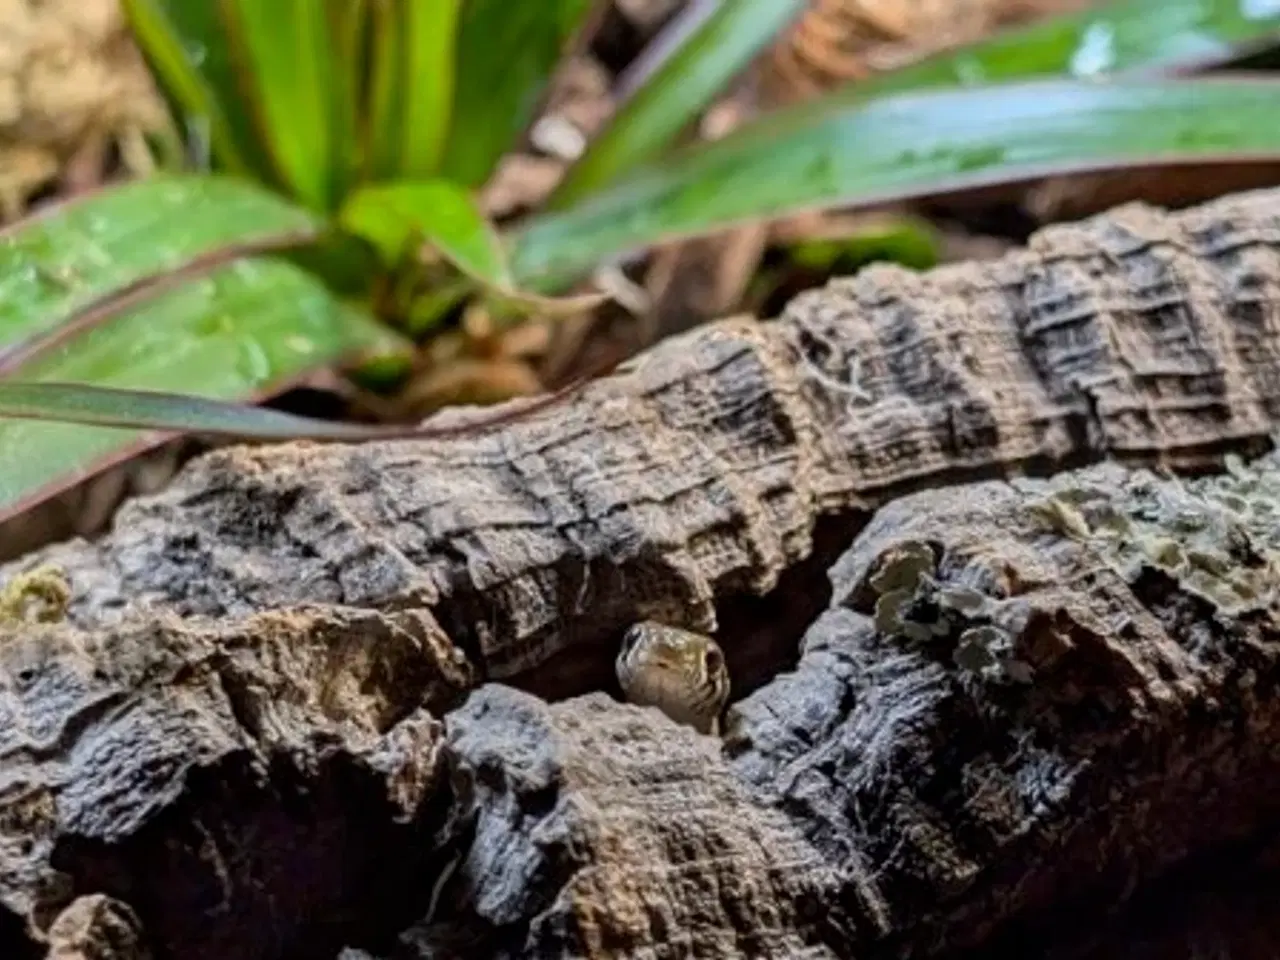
pixel 700 471
pixel 238 734
pixel 97 928
pixel 1039 721
pixel 250 789
pixel 1026 695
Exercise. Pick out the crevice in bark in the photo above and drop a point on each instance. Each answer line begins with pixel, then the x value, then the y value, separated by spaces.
pixel 1220 904
pixel 14 941
pixel 761 634
pixel 341 869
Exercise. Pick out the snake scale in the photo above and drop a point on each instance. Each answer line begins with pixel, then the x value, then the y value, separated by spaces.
pixel 680 672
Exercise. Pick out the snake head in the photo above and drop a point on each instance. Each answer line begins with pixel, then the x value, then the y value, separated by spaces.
pixel 682 673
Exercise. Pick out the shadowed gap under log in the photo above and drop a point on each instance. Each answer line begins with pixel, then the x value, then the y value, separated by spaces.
pixel 353 874
pixel 761 634
pixel 14 942
pixel 1220 905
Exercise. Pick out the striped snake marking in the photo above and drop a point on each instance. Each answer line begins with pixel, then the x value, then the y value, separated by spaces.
pixel 680 672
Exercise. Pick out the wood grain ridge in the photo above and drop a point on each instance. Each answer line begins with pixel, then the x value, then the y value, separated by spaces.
pixel 699 469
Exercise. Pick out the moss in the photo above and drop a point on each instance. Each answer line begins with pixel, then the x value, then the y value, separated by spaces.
pixel 41 595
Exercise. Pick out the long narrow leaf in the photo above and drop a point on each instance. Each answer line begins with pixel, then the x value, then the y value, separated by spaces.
pixel 384 128
pixel 187 47
pixel 847 154
pixel 1126 36
pixel 430 62
pixel 238 333
pixel 348 20
pixel 285 58
pixel 708 58
pixel 506 54
pixel 79 403
pixel 188 92
pixel 76 254
pixel 413 68
pixel 1130 35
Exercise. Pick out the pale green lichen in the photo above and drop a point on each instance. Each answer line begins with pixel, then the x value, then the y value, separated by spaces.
pixel 902 566
pixel 1061 516
pixel 910 602
pixel 40 595
pixel 1217 536
pixel 897 578
pixel 988 651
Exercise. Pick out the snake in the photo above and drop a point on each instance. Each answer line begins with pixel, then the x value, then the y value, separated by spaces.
pixel 679 672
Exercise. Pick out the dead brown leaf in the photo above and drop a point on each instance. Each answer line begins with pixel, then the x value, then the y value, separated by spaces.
pixel 839 41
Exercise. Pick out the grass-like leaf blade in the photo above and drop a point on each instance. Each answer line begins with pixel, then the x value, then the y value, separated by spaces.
pixel 716 51
pixel 383 132
pixel 430 64
pixel 506 55
pixel 159 410
pixel 1139 36
pixel 285 56
pixel 243 331
pixel 1129 35
pixel 186 45
pixel 831 153
pixel 348 23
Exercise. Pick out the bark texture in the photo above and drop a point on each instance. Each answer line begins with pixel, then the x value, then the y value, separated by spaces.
pixel 283 712
pixel 995 721
pixel 251 790
pixel 701 470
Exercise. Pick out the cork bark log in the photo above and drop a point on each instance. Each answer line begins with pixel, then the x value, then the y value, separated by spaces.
pixel 315 696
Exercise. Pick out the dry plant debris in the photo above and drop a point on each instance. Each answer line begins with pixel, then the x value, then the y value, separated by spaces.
pixel 839 41
pixel 72 83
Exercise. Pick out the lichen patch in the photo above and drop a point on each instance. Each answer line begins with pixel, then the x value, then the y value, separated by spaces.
pixel 1216 536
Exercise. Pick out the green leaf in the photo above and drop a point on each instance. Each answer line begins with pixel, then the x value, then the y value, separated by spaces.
pixel 187 47
pixel 717 50
pixel 905 240
pixel 77 253
pixel 245 330
pixel 383 132
pixel 1132 35
pixel 430 34
pixel 506 55
pixel 411 93
pixel 393 217
pixel 285 56
pixel 830 153
pixel 1111 38
pixel 429 310
pixel 348 20
pixel 161 410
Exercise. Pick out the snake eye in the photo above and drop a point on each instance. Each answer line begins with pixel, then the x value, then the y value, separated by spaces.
pixel 629 641
pixel 713 661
